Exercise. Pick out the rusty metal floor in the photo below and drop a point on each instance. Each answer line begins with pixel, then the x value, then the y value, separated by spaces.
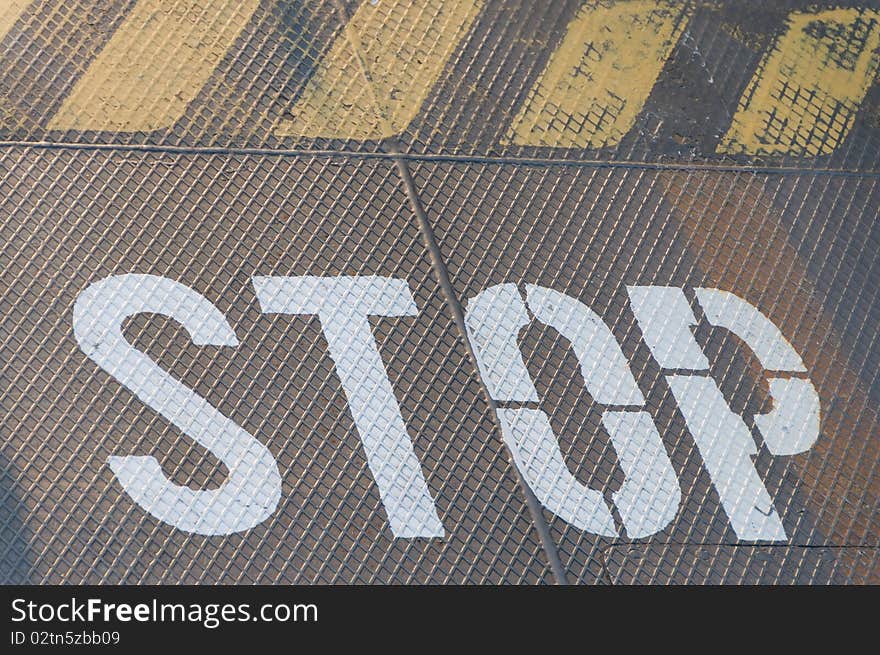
pixel 640 239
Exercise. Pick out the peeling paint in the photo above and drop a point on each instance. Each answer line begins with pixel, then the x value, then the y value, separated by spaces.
pixel 599 78
pixel 804 97
pixel 10 12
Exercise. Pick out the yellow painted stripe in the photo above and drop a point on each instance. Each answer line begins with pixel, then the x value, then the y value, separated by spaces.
pixel 378 73
pixel 155 64
pixel 10 10
pixel 807 90
pixel 598 79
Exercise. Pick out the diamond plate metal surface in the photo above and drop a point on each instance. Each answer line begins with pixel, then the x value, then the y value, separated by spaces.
pixel 743 565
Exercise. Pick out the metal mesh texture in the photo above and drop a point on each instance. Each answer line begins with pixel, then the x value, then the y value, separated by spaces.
pixel 549 226
pixel 279 384
pixel 492 61
pixel 400 168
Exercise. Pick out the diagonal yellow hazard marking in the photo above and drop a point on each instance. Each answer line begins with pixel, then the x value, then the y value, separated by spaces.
pixel 10 10
pixel 378 73
pixel 807 90
pixel 598 79
pixel 155 64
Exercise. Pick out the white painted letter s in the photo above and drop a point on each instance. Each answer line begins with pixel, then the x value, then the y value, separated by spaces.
pixel 253 488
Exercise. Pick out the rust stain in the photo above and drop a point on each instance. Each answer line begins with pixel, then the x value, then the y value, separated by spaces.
pixel 804 97
pixel 740 244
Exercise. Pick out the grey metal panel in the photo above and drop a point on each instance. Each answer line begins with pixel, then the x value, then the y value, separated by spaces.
pixel 72 218
pixel 590 231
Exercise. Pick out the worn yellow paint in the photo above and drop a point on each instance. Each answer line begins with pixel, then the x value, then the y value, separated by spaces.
pixel 379 71
pixel 600 76
pixel 10 11
pixel 740 243
pixel 155 64
pixel 804 97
